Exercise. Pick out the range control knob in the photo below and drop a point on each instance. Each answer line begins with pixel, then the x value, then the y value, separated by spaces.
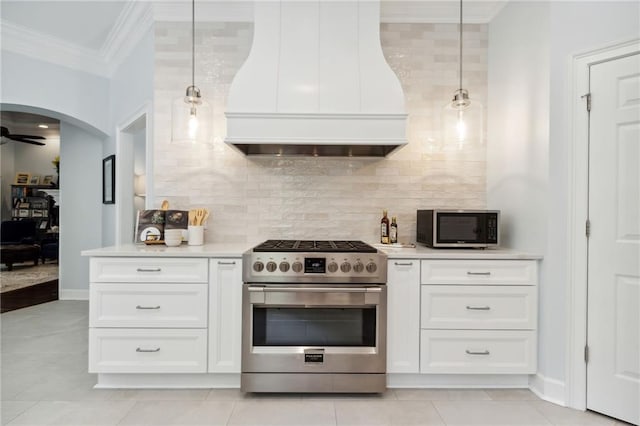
pixel 372 267
pixel 332 267
pixel 358 267
pixel 258 266
pixel 284 266
pixel 297 267
pixel 345 267
pixel 271 266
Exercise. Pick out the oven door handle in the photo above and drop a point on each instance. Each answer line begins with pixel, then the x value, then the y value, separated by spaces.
pixel 315 296
pixel 317 289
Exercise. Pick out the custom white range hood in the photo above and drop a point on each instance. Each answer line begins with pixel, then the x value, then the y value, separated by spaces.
pixel 316 83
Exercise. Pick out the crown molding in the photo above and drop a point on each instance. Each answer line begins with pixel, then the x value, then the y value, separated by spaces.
pixel 44 47
pixel 206 11
pixel 439 12
pixel 137 18
pixel 134 22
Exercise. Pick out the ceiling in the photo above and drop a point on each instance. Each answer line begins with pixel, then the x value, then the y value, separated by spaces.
pixel 22 123
pixel 89 24
pixel 84 23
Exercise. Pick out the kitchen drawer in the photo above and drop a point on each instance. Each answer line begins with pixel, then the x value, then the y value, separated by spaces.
pixel 478 351
pixel 147 350
pixel 486 272
pixel 147 305
pixel 478 307
pixel 149 270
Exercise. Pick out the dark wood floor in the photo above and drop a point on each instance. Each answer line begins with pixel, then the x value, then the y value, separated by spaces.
pixel 28 296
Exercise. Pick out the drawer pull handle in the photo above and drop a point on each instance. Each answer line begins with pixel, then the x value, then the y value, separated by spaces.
pixel 226 263
pixel 403 263
pixel 148 307
pixel 147 350
pixel 477 352
pixel 486 274
pixel 149 269
pixel 478 308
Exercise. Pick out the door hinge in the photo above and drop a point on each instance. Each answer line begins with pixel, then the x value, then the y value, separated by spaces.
pixel 587 228
pixel 588 96
pixel 586 354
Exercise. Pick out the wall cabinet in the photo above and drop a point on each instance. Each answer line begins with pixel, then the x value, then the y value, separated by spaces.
pixel 478 316
pixel 225 315
pixel 403 319
pixel 148 315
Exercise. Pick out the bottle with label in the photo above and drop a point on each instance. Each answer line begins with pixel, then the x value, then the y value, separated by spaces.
pixel 393 231
pixel 384 228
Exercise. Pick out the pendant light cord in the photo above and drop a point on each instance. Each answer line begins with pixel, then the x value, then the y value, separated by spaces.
pixel 193 42
pixel 460 45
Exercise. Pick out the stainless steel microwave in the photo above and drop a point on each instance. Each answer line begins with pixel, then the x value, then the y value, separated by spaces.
pixel 458 228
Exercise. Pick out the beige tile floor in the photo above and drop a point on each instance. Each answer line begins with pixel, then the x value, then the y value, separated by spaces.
pixel 45 382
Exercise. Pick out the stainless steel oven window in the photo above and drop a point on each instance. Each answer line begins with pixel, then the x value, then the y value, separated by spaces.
pixel 318 326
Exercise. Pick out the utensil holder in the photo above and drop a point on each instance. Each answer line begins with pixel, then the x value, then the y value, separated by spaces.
pixel 196 235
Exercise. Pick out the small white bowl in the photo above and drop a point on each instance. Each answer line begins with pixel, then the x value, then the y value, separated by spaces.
pixel 173 242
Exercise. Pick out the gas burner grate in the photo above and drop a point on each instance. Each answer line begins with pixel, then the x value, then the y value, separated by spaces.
pixel 314 246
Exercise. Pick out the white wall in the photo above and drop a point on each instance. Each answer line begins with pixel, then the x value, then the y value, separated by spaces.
pixel 80 207
pixel 575 27
pixel 36 160
pixel 530 50
pixel 78 97
pixel 131 89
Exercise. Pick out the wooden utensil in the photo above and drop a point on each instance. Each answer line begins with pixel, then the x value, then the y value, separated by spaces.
pixel 165 205
pixel 199 216
pixel 192 217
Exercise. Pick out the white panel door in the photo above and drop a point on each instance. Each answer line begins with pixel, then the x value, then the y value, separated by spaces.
pixel 613 370
pixel 225 315
pixel 403 316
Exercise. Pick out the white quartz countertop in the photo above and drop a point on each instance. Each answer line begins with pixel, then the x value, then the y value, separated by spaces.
pixel 423 252
pixel 237 249
pixel 160 250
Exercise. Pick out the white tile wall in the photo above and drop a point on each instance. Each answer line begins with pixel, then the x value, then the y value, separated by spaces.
pixel 252 199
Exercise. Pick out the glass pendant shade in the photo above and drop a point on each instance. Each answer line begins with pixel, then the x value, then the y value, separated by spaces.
pixel 191 115
pixel 462 122
pixel 191 118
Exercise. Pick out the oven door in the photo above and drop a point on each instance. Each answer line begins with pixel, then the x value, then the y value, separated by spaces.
pixel 314 329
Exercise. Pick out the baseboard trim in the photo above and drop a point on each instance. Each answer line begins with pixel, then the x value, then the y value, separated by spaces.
pixel 71 294
pixel 550 390
pixel 457 381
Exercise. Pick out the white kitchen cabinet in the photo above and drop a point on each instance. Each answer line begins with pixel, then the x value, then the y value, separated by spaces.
pixel 478 351
pixel 478 316
pixel 403 316
pixel 148 315
pixel 148 269
pixel 143 350
pixel 225 315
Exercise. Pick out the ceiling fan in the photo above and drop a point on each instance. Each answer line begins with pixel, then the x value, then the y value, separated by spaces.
pixel 5 134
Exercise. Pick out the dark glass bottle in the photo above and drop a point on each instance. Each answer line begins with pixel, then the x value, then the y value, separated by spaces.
pixel 393 231
pixel 384 228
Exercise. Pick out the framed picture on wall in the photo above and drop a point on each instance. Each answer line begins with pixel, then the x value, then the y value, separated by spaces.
pixel 47 180
pixel 34 180
pixel 22 178
pixel 109 180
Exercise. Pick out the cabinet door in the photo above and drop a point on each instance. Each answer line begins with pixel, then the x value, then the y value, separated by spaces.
pixel 403 316
pixel 225 315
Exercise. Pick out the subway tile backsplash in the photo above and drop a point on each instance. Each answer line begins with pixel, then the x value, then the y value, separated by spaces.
pixel 255 198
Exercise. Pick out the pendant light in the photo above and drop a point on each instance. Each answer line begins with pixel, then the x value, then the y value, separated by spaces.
pixel 462 118
pixel 191 115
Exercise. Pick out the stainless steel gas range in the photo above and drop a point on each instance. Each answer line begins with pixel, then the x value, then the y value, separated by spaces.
pixel 314 317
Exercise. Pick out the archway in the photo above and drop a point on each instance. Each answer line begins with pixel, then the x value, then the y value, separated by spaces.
pixel 80 212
